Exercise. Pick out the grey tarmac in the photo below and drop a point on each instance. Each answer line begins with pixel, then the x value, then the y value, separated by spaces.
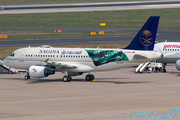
pixel 115 95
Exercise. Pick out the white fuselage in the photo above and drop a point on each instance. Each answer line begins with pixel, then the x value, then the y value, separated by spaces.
pixel 26 57
pixel 170 50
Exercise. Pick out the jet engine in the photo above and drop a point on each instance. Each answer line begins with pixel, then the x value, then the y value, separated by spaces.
pixel 74 73
pixel 177 65
pixel 40 71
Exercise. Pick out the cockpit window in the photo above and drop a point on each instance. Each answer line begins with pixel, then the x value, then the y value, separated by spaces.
pixel 12 54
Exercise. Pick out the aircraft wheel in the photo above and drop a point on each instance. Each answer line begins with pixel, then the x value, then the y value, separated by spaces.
pixel 27 77
pixel 88 77
pixel 67 78
pixel 92 77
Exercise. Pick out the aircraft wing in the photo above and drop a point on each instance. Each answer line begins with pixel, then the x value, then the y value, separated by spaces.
pixel 59 64
pixel 63 65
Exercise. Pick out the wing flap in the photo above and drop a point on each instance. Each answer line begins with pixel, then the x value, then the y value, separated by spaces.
pixel 60 64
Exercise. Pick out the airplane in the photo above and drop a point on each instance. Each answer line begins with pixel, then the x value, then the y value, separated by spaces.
pixel 170 51
pixel 44 60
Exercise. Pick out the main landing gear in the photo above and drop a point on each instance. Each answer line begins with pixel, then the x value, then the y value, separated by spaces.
pixel 89 77
pixel 67 78
pixel 27 77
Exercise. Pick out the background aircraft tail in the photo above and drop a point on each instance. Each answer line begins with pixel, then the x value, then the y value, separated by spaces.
pixel 146 37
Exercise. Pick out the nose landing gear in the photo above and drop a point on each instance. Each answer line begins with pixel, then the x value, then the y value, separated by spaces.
pixel 27 77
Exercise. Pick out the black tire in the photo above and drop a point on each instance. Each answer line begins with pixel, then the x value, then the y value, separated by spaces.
pixel 88 77
pixel 92 77
pixel 26 77
pixel 67 78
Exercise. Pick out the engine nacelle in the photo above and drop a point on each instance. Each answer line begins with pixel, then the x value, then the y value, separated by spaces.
pixel 178 65
pixel 40 71
pixel 74 73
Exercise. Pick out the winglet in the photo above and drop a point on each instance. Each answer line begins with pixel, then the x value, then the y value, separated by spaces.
pixel 46 61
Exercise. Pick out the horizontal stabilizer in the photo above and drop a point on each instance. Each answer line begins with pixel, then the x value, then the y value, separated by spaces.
pixel 140 56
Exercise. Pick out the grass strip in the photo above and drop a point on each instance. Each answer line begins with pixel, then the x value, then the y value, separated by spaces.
pixel 169 18
pixel 35 2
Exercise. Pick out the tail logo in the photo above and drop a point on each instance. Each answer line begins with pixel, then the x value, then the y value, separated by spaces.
pixel 146 37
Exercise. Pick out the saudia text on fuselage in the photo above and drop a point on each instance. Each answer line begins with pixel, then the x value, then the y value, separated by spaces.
pixel 54 51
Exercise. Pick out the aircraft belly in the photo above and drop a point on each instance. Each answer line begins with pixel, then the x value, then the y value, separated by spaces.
pixel 115 65
pixel 167 60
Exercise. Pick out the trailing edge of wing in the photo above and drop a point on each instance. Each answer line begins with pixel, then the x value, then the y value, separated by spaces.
pixel 54 63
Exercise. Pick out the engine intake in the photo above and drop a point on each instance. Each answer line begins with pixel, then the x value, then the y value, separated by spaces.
pixel 177 65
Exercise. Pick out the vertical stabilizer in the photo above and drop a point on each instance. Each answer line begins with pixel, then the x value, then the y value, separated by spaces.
pixel 146 37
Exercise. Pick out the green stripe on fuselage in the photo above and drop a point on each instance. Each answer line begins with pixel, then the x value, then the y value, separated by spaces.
pixel 100 57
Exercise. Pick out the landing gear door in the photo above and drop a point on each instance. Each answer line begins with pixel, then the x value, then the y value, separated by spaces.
pixel 21 56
